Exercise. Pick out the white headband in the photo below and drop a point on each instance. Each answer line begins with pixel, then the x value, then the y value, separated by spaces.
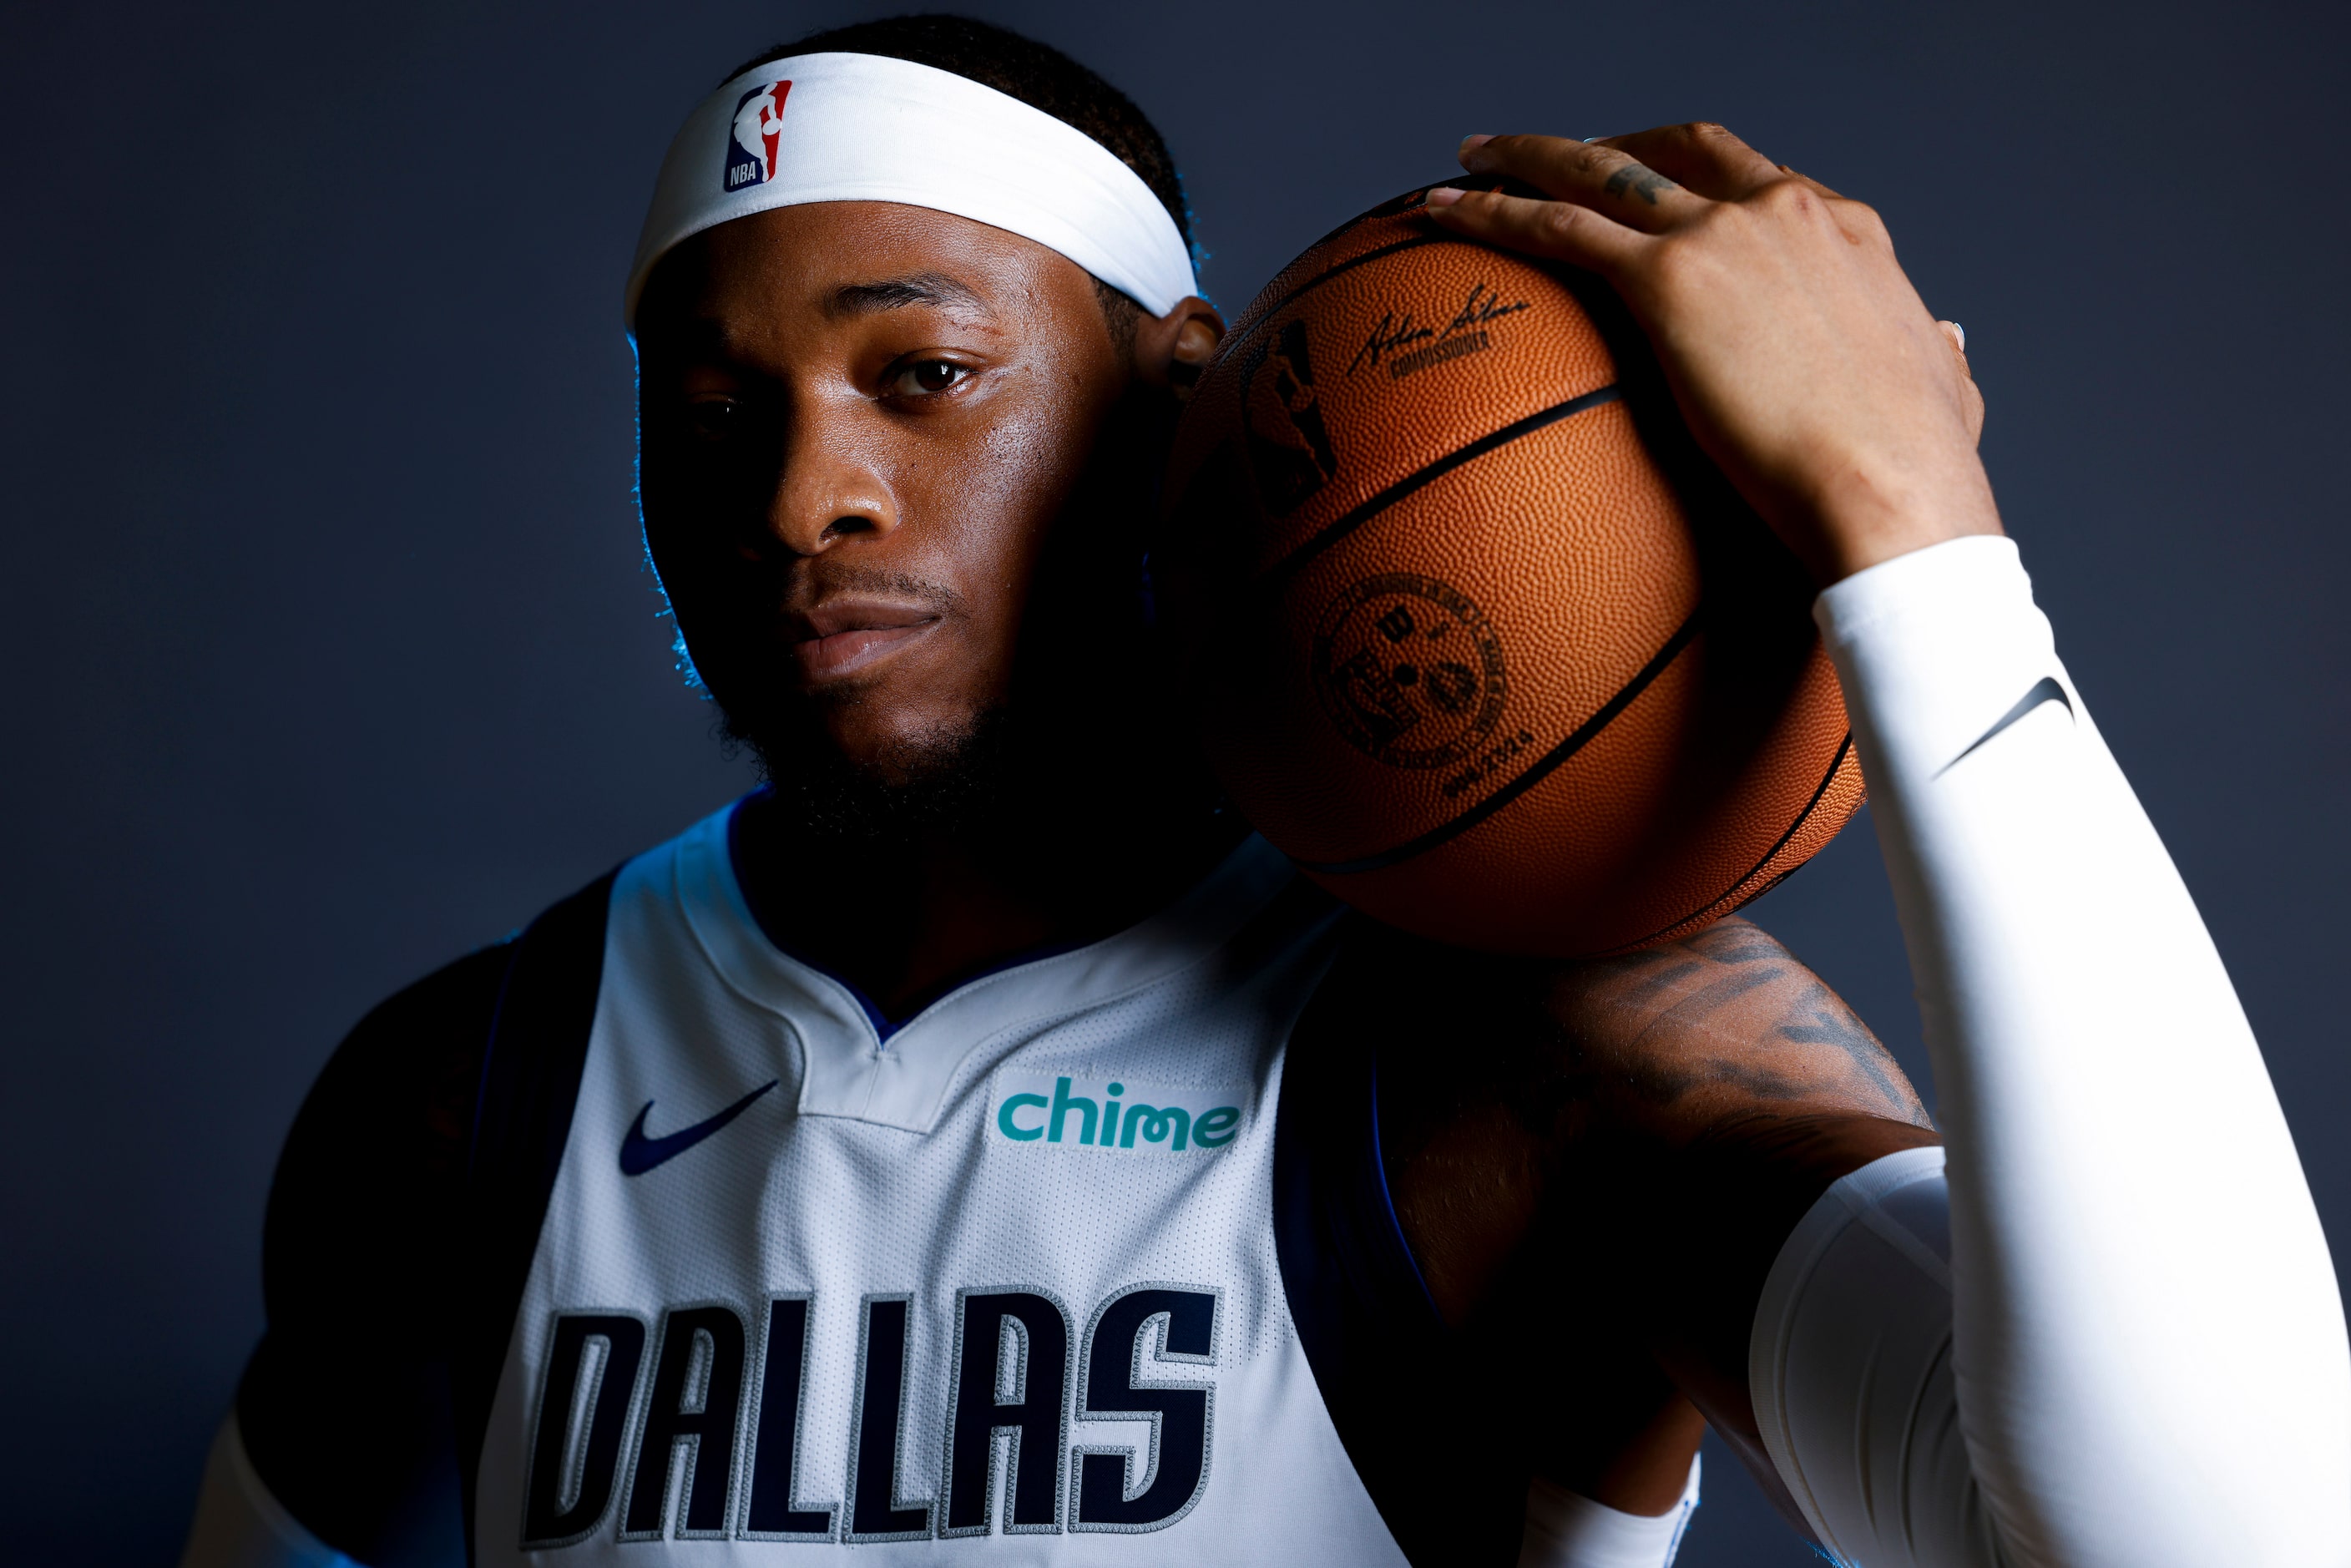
pixel 865 128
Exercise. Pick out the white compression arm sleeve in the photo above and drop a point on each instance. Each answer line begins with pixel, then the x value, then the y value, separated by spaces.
pixel 238 1524
pixel 1567 1529
pixel 2127 1346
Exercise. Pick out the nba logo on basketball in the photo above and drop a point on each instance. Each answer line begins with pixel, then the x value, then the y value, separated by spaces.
pixel 759 125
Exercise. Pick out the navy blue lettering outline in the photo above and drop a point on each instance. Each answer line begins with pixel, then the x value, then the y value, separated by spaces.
pixel 625 1444
pixel 674 1513
pixel 1000 1442
pixel 893 1505
pixel 756 1432
pixel 1148 1462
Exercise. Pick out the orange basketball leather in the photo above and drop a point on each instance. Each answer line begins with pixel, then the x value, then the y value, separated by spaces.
pixel 1474 634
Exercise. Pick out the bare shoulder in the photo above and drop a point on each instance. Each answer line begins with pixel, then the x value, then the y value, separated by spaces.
pixel 1514 1092
pixel 1664 1044
pixel 1604 1157
pixel 1725 1023
pixel 1653 1124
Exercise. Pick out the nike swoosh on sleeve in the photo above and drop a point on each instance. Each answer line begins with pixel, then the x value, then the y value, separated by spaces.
pixel 2044 690
pixel 640 1154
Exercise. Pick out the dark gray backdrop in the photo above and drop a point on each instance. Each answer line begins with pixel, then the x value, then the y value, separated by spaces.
pixel 329 654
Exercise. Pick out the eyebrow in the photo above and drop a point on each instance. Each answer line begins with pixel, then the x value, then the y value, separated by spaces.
pixel 895 293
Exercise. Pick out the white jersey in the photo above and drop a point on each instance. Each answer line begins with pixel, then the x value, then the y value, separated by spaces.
pixel 1006 1271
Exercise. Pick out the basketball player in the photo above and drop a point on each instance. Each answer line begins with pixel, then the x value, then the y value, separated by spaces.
pixel 977 1146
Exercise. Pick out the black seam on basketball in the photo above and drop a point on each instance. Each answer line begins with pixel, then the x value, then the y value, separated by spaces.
pixel 1356 517
pixel 1803 817
pixel 1534 773
pixel 1396 208
pixel 1243 334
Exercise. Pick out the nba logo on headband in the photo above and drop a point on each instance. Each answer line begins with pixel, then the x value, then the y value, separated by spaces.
pixel 866 127
pixel 759 125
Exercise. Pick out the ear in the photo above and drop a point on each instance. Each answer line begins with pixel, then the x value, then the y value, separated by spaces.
pixel 1171 351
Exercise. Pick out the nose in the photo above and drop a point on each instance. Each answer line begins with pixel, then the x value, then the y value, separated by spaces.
pixel 827 494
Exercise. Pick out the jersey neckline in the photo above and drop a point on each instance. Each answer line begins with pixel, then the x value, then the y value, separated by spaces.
pixel 885 1026
pixel 857 1063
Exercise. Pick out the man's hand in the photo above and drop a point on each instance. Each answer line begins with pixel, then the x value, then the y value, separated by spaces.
pixel 1801 356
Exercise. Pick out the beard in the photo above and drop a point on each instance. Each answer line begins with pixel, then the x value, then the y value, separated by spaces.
pixel 948 782
pixel 1078 751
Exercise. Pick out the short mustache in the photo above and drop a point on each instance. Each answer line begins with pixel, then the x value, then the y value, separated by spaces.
pixel 825 582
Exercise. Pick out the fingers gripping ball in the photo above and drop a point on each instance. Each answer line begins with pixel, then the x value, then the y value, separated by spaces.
pixel 1475 634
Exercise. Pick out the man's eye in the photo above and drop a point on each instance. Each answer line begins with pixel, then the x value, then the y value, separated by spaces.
pixel 925 377
pixel 714 418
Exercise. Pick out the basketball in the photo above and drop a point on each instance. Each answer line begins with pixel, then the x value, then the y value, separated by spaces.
pixel 1474 632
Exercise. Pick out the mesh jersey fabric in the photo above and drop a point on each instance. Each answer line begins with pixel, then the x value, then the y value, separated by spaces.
pixel 370 1242
pixel 842 1244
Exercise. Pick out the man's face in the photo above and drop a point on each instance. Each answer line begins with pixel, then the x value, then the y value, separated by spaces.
pixel 861 423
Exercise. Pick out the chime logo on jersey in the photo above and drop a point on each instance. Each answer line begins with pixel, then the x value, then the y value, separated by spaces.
pixel 1114 1115
pixel 758 126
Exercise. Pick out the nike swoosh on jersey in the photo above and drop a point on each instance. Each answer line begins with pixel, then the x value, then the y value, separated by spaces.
pixel 640 1154
pixel 2044 690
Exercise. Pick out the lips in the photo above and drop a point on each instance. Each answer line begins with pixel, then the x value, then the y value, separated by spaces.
pixel 844 636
